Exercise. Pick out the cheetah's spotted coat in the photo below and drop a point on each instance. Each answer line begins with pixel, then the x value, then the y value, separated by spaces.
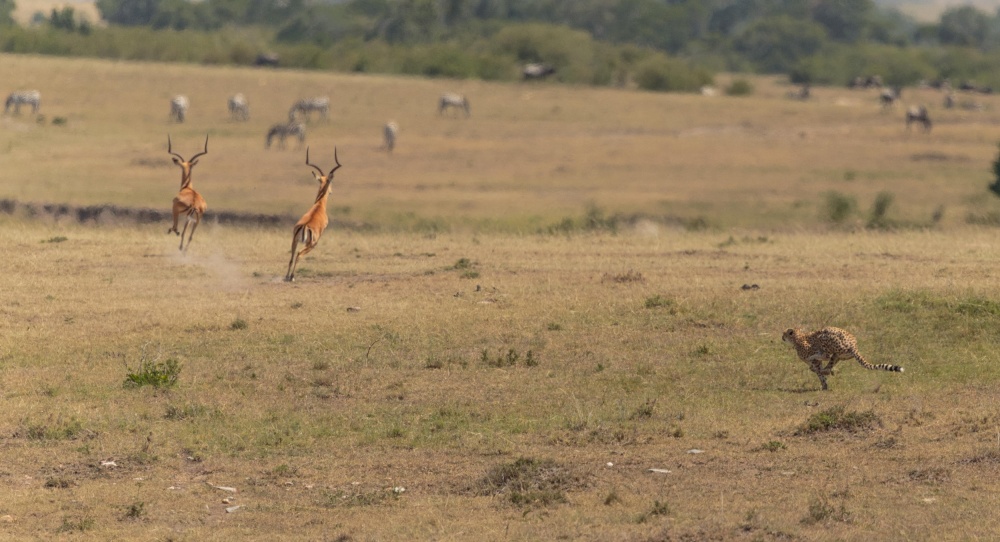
pixel 830 344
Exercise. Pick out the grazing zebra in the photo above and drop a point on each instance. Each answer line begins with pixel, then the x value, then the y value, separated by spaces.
pixel 285 129
pixel 23 97
pixel 457 101
pixel 801 94
pixel 239 109
pixel 267 59
pixel 390 131
pixel 537 71
pixel 305 106
pixel 888 97
pixel 918 113
pixel 178 108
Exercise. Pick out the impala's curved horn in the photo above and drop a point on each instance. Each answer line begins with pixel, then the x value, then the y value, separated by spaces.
pixel 169 151
pixel 314 166
pixel 202 152
pixel 335 160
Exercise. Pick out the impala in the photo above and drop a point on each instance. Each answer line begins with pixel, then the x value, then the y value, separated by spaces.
pixel 187 201
pixel 310 227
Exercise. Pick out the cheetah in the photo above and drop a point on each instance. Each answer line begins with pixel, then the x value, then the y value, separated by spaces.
pixel 830 344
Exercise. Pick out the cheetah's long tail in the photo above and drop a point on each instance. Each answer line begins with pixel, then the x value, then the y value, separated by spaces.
pixel 879 366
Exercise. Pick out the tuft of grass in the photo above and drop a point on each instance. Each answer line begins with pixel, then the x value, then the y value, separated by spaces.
pixel 821 510
pixel 623 278
pixel 135 511
pixel 359 498
pixel 529 482
pixel 76 525
pixel 658 509
pixel 57 429
pixel 839 419
pixel 151 373
pixel 773 446
pixel 238 323
pixel 645 411
pixel 56 239
pixel 658 301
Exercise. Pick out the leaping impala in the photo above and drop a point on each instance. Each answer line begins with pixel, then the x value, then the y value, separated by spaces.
pixel 310 227
pixel 187 201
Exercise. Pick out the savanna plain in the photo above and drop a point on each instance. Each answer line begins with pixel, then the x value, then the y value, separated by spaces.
pixel 558 318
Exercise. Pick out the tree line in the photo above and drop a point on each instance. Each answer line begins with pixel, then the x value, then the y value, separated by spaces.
pixel 658 44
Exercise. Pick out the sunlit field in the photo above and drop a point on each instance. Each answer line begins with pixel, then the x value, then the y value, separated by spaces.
pixel 559 318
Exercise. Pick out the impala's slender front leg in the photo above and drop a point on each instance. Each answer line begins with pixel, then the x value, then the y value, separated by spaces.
pixel 177 209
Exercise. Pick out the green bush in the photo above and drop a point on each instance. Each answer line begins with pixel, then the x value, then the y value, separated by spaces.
pixel 739 87
pixel 660 73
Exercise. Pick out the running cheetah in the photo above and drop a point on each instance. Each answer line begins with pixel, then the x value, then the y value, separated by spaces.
pixel 830 344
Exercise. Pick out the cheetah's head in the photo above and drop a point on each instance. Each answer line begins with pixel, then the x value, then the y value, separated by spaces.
pixel 789 335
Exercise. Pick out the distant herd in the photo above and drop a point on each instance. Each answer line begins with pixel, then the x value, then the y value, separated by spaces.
pixel 309 229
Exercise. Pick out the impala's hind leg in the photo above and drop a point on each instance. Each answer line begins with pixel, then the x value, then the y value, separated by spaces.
pixel 197 220
pixel 290 275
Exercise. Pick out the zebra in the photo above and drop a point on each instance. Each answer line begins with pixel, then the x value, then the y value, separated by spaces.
pixel 23 97
pixel 267 59
pixel 918 113
pixel 320 104
pixel 285 129
pixel 888 96
pixel 537 71
pixel 801 94
pixel 239 109
pixel 453 100
pixel 389 131
pixel 178 108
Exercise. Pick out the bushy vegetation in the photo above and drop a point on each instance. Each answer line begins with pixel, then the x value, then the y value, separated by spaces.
pixel 656 45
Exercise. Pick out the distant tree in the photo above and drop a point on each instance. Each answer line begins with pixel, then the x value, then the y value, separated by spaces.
pixel 776 44
pixel 128 12
pixel 844 20
pixel 964 26
pixel 6 12
pixel 63 19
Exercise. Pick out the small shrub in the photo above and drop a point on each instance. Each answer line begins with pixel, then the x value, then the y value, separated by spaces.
pixel 463 263
pixel 839 207
pixel 836 418
pixel 238 323
pixel 151 373
pixel 553 326
pixel 879 209
pixel 995 185
pixel 740 87
pixel 56 239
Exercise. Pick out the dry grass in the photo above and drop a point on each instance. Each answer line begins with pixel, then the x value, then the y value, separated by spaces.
pixel 388 395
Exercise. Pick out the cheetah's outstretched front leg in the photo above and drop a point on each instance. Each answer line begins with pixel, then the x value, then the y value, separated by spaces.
pixel 817 367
